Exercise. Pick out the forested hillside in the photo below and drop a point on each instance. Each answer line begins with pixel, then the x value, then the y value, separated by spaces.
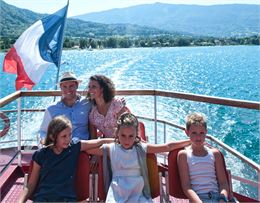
pixel 227 20
pixel 14 21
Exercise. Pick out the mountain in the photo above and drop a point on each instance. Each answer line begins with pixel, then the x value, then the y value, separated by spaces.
pixel 216 20
pixel 13 21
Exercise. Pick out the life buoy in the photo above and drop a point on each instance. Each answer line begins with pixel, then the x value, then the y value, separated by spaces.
pixel 6 124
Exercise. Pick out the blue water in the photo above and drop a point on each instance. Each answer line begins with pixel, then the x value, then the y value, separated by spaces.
pixel 224 71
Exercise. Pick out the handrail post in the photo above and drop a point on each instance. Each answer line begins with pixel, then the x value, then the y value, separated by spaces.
pixel 19 131
pixel 258 187
pixel 155 118
pixel 164 132
pixel 164 138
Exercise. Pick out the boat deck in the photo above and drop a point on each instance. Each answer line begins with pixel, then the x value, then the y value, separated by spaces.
pixel 13 194
pixel 6 156
pixel 12 179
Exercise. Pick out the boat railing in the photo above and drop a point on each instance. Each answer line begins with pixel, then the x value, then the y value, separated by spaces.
pixel 155 94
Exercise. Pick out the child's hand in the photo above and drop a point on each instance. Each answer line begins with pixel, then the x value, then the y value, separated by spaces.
pixel 123 101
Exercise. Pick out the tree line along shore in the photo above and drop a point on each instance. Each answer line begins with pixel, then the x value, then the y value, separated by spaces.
pixel 131 42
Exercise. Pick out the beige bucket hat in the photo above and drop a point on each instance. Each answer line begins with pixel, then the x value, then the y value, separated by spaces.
pixel 68 77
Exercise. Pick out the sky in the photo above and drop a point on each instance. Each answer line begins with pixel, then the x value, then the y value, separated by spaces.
pixel 78 7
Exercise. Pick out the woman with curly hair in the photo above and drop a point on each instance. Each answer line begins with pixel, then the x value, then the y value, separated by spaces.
pixel 106 108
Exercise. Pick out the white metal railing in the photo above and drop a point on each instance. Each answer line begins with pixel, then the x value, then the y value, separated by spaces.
pixel 155 93
pixel 19 134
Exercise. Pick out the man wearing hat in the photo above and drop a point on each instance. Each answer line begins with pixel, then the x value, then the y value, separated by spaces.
pixel 71 105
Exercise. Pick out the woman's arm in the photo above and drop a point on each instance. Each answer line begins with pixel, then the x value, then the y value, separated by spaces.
pixel 185 177
pixel 92 131
pixel 220 172
pixel 122 110
pixel 91 144
pixel 166 147
pixel 32 183
pixel 120 107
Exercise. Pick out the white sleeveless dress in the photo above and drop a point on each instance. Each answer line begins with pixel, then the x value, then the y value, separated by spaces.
pixel 127 183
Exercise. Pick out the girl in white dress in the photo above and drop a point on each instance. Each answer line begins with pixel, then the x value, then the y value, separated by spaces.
pixel 129 181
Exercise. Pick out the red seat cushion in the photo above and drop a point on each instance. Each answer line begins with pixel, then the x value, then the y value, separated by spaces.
pixel 82 177
pixel 175 188
pixel 153 175
pixel 141 131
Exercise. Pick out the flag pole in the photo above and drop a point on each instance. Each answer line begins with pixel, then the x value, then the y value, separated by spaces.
pixel 61 46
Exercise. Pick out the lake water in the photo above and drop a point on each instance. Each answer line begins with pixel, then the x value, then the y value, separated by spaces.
pixel 229 71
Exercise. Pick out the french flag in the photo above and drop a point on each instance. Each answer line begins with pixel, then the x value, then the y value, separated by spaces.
pixel 38 47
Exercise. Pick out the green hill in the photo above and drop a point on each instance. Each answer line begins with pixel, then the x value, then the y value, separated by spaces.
pixel 13 21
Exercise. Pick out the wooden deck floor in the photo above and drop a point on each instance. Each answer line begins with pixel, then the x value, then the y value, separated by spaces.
pixel 12 179
pixel 14 192
pixel 16 185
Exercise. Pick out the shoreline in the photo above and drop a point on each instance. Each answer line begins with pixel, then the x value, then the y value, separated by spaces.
pixel 100 49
